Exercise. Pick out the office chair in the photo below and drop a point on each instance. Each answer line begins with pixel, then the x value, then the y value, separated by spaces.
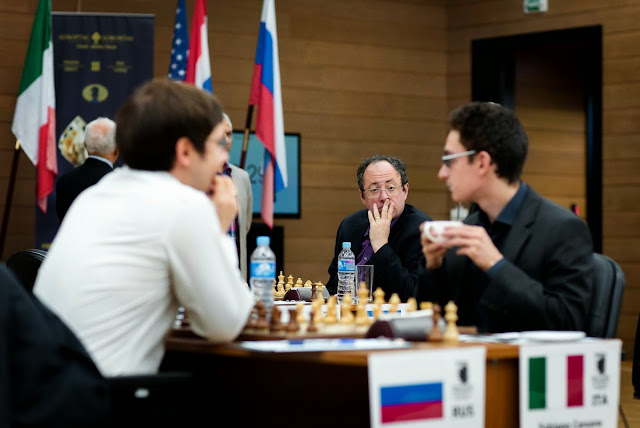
pixel 25 264
pixel 48 379
pixel 606 300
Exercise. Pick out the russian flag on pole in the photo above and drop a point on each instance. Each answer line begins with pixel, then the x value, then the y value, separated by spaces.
pixel 34 119
pixel 267 96
pixel 198 65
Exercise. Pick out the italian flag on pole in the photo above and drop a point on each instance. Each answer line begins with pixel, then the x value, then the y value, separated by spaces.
pixel 34 120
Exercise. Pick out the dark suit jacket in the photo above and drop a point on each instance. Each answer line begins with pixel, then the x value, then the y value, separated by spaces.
pixel 398 264
pixel 545 282
pixel 71 184
pixel 47 379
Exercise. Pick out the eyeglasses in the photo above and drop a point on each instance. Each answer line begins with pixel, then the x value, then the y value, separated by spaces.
pixel 446 159
pixel 376 192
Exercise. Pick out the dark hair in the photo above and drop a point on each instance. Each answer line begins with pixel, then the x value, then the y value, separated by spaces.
pixel 157 115
pixel 396 163
pixel 496 130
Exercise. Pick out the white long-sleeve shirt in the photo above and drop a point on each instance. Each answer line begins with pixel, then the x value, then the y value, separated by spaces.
pixel 131 250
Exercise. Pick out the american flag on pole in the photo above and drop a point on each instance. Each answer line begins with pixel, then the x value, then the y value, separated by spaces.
pixel 179 45
pixel 267 96
pixel 34 120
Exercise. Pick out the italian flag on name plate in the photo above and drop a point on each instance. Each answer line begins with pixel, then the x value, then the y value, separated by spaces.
pixel 565 385
pixel 34 119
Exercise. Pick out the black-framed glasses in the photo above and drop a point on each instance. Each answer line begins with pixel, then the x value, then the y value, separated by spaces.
pixel 376 192
pixel 446 159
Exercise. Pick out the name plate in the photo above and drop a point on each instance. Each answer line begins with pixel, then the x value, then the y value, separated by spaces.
pixel 567 385
pixel 434 388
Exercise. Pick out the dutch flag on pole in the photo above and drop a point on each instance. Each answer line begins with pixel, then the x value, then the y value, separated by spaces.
pixel 266 95
pixel 198 65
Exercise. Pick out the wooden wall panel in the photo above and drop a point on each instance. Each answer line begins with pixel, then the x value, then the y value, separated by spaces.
pixel 373 76
pixel 468 21
pixel 358 78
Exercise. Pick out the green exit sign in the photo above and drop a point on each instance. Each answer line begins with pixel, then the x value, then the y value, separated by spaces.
pixel 535 6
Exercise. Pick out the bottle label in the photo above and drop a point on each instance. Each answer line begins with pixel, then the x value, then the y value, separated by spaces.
pixel 346 265
pixel 263 269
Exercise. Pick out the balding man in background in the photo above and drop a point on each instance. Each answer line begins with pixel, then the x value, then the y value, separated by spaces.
pixel 100 142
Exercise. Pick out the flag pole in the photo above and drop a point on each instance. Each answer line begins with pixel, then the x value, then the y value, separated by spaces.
pixel 7 203
pixel 247 129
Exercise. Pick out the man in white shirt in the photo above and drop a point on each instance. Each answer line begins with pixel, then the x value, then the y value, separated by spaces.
pixel 151 236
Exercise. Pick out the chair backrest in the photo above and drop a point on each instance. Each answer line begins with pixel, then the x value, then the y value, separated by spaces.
pixel 606 299
pixel 25 264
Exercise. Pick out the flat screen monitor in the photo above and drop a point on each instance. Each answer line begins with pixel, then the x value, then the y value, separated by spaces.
pixel 287 201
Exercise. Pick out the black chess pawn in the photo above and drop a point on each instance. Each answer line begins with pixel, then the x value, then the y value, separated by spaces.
pixel 435 335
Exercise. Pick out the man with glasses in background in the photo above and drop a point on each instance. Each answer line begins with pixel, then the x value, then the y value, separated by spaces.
pixel 386 233
pixel 519 262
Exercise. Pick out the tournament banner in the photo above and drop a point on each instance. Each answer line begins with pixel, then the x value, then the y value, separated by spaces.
pixel 98 60
pixel 570 385
pixel 431 388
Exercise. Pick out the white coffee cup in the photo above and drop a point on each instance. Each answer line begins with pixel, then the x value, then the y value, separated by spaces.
pixel 434 229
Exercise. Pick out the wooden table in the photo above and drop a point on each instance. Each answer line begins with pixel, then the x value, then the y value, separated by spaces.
pixel 323 389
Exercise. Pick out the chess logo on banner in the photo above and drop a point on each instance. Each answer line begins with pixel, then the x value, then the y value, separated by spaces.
pixel 600 379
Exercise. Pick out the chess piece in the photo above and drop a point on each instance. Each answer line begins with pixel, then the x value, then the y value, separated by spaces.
pixel 275 324
pixel 363 293
pixel 317 312
pixel 280 291
pixel 261 323
pixel 289 283
pixel 426 306
pixel 298 283
pixel 281 279
pixel 394 301
pixel 331 317
pixel 361 311
pixel 378 296
pixel 451 316
pixel 307 283
pixel 319 295
pixel 312 327
pixel 292 325
pixel 378 301
pixel 253 317
pixel 300 313
pixel 314 294
pixel 346 316
pixel 412 304
pixel 435 335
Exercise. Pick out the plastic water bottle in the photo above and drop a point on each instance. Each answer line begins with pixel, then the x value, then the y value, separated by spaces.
pixel 346 272
pixel 263 273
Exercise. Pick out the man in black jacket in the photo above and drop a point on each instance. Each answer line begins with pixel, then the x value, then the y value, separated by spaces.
pixel 386 234
pixel 520 261
pixel 100 142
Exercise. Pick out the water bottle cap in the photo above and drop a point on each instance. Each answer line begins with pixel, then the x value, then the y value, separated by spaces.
pixel 263 240
pixel 346 245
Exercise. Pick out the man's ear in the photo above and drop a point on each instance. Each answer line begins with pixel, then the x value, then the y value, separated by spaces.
pixel 363 198
pixel 485 164
pixel 184 149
